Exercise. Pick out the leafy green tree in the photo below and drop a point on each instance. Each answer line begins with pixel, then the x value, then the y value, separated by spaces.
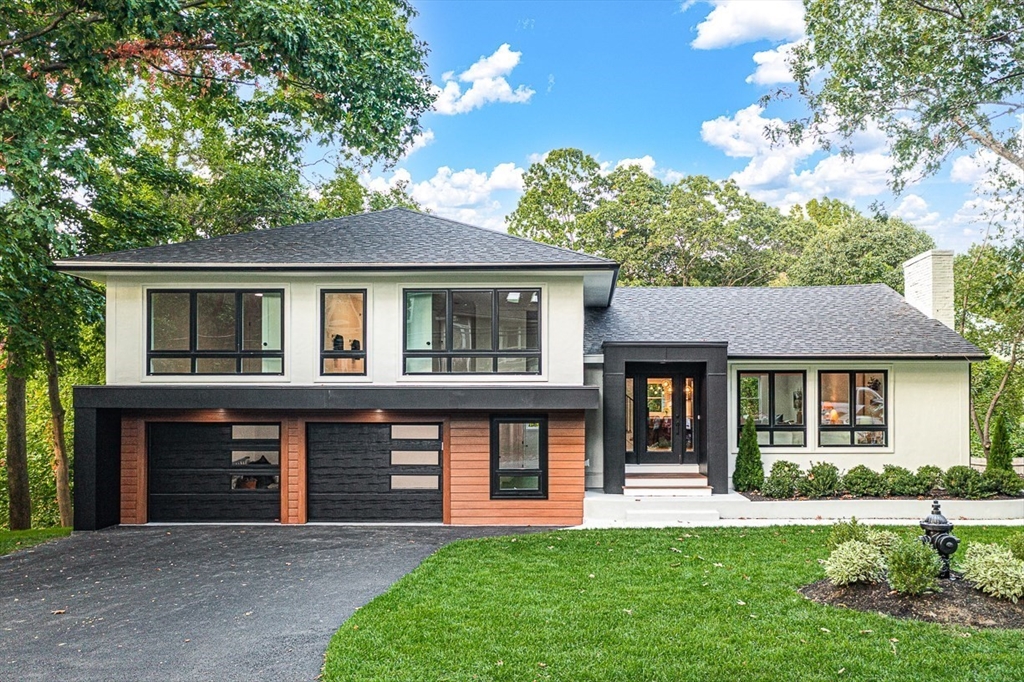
pixel 852 249
pixel 749 473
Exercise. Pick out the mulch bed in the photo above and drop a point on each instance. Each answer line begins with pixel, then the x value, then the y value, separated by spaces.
pixel 957 604
pixel 935 495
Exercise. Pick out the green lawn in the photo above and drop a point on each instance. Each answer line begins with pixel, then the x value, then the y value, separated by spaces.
pixel 11 540
pixel 642 605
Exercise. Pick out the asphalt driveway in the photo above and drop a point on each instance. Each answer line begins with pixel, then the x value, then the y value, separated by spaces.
pixel 197 602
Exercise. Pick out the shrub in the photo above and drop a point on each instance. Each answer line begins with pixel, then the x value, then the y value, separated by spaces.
pixel 928 479
pixel 899 481
pixel 862 481
pixel 963 481
pixel 854 562
pixel 822 480
pixel 844 531
pixel 999 456
pixel 1016 544
pixel 781 482
pixel 749 474
pixel 884 540
pixel 994 570
pixel 1002 481
pixel 913 567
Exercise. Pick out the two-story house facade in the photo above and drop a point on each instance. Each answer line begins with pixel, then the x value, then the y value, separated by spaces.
pixel 397 367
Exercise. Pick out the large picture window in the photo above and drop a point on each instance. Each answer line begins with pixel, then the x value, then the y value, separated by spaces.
pixel 343 332
pixel 472 331
pixel 519 457
pixel 215 332
pixel 852 408
pixel 775 401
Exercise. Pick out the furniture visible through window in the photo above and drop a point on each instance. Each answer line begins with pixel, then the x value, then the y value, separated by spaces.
pixel 472 331
pixel 852 408
pixel 775 401
pixel 343 332
pixel 215 332
pixel 519 457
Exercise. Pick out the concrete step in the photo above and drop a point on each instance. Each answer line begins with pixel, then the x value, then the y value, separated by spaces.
pixel 668 480
pixel 662 468
pixel 670 518
pixel 672 491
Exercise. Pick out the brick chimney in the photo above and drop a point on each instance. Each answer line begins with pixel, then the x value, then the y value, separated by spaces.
pixel 928 284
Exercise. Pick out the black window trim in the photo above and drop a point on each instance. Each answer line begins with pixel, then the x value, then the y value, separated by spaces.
pixel 853 426
pixel 771 428
pixel 541 472
pixel 448 354
pixel 192 354
pixel 349 354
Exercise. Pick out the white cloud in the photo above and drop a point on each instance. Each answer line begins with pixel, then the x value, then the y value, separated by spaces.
pixel 915 210
pixel 645 163
pixel 734 22
pixel 773 65
pixel 419 141
pixel 487 83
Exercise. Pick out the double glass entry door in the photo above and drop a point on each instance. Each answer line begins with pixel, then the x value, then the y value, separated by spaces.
pixel 662 419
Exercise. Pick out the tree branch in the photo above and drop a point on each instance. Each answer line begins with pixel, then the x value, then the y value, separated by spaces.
pixel 990 143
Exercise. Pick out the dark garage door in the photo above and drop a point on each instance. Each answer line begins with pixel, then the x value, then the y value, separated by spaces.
pixel 373 472
pixel 214 472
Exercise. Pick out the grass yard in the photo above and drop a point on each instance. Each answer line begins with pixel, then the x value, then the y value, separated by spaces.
pixel 11 540
pixel 644 605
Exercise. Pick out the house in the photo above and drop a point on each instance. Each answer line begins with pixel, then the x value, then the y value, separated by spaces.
pixel 397 366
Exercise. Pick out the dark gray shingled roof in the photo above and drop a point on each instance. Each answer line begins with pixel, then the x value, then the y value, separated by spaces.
pixel 869 320
pixel 394 237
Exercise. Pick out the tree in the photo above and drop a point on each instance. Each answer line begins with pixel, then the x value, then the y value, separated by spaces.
pixel 999 455
pixel 78 81
pixel 749 473
pixel 852 249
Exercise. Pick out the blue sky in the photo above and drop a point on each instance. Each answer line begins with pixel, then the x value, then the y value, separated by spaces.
pixel 673 86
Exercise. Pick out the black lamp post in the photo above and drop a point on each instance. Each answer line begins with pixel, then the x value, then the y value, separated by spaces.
pixel 938 532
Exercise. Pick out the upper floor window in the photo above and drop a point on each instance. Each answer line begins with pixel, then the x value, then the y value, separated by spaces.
pixel 343 332
pixel 215 332
pixel 472 331
pixel 775 401
pixel 852 408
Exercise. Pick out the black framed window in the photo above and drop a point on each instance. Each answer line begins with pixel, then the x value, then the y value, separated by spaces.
pixel 775 401
pixel 343 332
pixel 472 331
pixel 215 332
pixel 519 457
pixel 853 408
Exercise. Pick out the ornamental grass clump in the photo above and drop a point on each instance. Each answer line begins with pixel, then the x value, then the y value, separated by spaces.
pixel 862 481
pixel 749 474
pixel 781 482
pixel 855 562
pixel 912 567
pixel 822 480
pixel 899 481
pixel 994 570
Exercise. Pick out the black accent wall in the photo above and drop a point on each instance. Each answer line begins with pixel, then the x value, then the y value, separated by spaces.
pixel 97 443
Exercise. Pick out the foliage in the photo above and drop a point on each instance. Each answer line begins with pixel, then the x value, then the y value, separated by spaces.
pixel 844 531
pixel 822 480
pixel 993 569
pixel 1003 482
pixel 863 481
pixel 965 482
pixel 884 540
pixel 859 250
pixel 12 540
pixel 781 482
pixel 855 562
pixel 912 567
pixel 899 481
pixel 749 473
pixel 929 477
pixel 999 456
pixel 1016 544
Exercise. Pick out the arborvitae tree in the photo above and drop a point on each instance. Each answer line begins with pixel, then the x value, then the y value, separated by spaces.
pixel 749 474
pixel 999 455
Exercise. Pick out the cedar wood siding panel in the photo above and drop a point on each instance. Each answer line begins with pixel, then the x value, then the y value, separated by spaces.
pixel 469 471
pixel 134 473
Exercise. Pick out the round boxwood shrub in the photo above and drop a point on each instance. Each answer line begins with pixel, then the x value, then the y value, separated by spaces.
pixel 963 481
pixel 913 567
pixel 822 480
pixel 863 482
pixel 899 481
pixel 928 479
pixel 749 473
pixel 994 570
pixel 781 482
pixel 1002 481
pixel 844 531
pixel 1016 544
pixel 855 562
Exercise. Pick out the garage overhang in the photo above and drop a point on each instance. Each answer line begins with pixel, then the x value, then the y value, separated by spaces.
pixel 420 398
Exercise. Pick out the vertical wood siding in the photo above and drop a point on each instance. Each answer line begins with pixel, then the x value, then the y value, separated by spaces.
pixel 134 488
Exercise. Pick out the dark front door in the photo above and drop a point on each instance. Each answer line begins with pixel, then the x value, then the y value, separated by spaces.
pixel 666 418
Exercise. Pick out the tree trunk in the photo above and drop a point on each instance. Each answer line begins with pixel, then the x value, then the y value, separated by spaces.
pixel 19 498
pixel 60 451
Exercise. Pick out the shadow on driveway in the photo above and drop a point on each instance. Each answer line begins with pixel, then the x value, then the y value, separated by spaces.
pixel 198 602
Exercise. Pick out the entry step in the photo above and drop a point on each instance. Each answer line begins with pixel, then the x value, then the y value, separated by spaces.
pixel 666 480
pixel 667 491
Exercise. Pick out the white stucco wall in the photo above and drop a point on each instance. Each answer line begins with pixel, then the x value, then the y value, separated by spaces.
pixel 561 325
